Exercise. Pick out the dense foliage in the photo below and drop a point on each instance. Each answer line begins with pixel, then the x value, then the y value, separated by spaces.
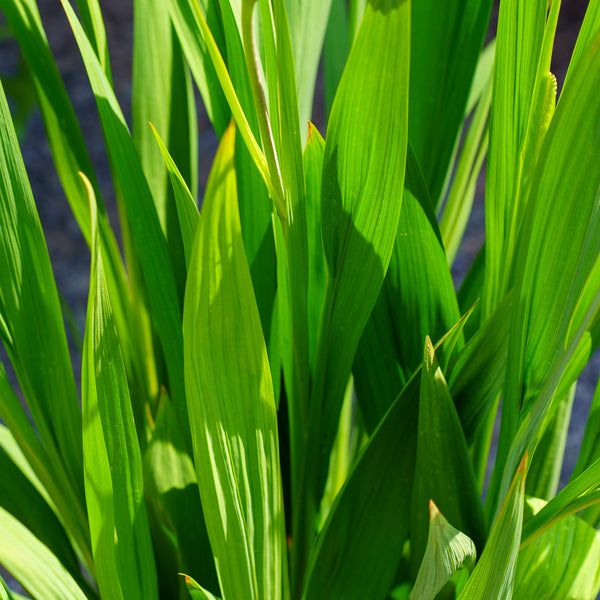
pixel 284 396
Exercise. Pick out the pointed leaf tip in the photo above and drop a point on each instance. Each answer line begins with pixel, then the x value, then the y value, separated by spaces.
pixel 429 354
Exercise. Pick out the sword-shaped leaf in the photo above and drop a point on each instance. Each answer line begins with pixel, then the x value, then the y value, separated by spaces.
pixel 363 179
pixel 230 399
pixel 444 472
pixel 143 219
pixel 32 564
pixel 31 328
pixel 123 555
pixel 493 576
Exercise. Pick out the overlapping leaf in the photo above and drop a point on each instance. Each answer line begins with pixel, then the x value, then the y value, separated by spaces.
pixel 444 472
pixel 148 237
pixel 32 330
pixel 360 200
pixel 31 563
pixel 558 246
pixel 446 42
pixel 493 576
pixel 417 299
pixel 372 510
pixel 561 564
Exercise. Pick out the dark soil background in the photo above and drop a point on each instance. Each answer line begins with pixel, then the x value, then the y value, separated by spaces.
pixel 68 251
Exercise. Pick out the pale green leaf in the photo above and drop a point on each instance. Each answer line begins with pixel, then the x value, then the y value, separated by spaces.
pixel 448 549
pixel 308 22
pixel 562 564
pixel 123 554
pixel 32 564
pixel 230 400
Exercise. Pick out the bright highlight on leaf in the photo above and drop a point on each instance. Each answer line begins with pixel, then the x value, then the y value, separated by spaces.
pixel 230 399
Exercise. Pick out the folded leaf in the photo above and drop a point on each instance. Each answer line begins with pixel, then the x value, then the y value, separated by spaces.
pixel 447 550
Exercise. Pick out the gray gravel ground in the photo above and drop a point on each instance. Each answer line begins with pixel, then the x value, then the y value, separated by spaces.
pixel 68 251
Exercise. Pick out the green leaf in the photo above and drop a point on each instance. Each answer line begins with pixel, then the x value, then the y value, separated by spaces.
pixel 477 373
pixel 523 53
pixel 561 564
pixel 33 331
pixel 64 134
pixel 199 47
pixel 444 472
pixel 557 248
pixel 230 400
pixel 23 501
pixel 335 51
pixel 448 549
pixel 148 237
pixel 543 477
pixel 196 591
pixel 417 299
pixel 151 92
pixel 71 157
pixel 461 195
pixel 187 210
pixel 32 564
pixel 581 492
pixel 171 488
pixel 493 576
pixel 114 487
pixel 446 41
pixel 93 24
pixel 380 484
pixel 253 197
pixel 308 23
pixel 155 89
pixel 184 16
pixel 317 270
pixel 363 177
pixel 294 223
pixel 52 478
pixel 5 590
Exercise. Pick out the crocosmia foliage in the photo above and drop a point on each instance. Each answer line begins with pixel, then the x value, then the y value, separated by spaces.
pixel 284 393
